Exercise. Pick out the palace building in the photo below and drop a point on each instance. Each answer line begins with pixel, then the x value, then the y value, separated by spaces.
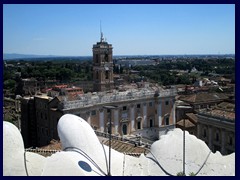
pixel 139 111
pixel 147 111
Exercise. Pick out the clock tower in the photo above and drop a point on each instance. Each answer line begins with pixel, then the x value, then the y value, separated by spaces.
pixel 102 66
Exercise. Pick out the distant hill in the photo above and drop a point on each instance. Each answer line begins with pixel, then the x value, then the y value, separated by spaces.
pixel 12 56
pixel 7 56
pixel 30 57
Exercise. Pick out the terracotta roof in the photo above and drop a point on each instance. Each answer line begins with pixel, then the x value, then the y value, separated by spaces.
pixel 54 145
pixel 192 116
pixel 218 112
pixel 60 86
pixel 188 123
pixel 227 106
pixel 125 147
pixel 203 97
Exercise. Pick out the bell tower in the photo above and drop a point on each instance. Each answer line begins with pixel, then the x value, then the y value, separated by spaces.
pixel 102 65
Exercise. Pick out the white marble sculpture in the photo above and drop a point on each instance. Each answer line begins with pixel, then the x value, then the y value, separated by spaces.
pixel 84 155
pixel 17 162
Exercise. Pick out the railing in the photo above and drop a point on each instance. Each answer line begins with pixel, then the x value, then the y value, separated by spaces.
pixel 90 100
pixel 220 117
pixel 44 152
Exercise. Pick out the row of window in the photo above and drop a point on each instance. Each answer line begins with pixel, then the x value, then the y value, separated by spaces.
pixel 216 137
pixel 106 58
pixel 151 123
pixel 43 131
pixel 41 105
pixel 42 115
pixel 124 108
pixel 106 74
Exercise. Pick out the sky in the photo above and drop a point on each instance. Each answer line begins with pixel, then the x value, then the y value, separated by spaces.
pixel 132 29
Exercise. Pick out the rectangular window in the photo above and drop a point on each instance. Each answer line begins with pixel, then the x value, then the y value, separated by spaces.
pixel 106 74
pixel 138 125
pixel 204 133
pixel 166 103
pixel 124 108
pixel 150 104
pixel 96 58
pixel 138 105
pixel 106 57
pixel 167 121
pixel 93 113
pixel 230 141
pixel 97 75
pixel 151 123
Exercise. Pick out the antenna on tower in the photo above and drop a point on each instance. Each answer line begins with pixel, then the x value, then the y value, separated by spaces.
pixel 101 39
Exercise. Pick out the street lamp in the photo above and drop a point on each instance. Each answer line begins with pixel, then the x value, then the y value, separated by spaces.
pixel 184 107
pixel 184 146
pixel 110 107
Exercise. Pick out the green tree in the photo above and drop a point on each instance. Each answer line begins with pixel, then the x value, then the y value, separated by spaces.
pixel 9 84
pixel 183 79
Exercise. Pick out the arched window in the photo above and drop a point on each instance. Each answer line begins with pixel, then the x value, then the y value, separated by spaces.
pixel 139 124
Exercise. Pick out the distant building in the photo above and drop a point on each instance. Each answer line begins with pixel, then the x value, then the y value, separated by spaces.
pixel 203 100
pixel 64 90
pixel 189 105
pixel 211 117
pixel 28 122
pixel 194 70
pixel 30 86
pixel 217 129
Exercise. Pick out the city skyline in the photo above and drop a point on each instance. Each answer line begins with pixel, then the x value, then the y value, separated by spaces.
pixel 159 29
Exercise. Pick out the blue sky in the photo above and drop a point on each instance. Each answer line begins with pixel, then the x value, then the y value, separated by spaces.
pixel 157 29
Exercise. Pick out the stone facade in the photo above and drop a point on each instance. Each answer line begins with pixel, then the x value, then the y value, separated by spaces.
pixel 132 114
pixel 218 132
pixel 102 66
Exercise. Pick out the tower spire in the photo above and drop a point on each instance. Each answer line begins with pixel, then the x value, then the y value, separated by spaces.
pixel 101 39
